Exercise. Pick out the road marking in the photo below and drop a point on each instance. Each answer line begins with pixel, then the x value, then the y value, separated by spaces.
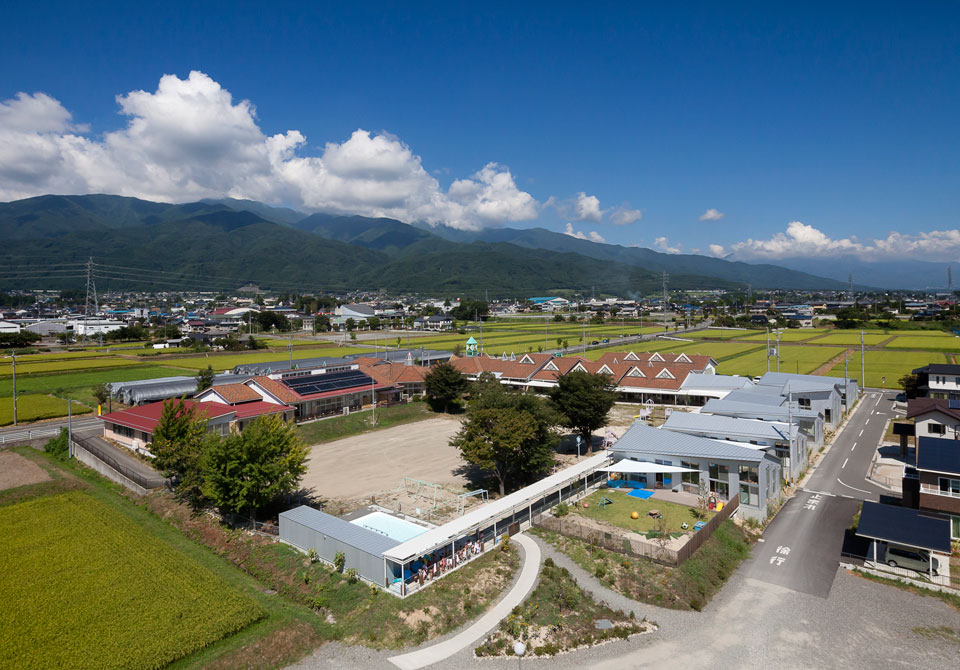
pixel 853 487
pixel 866 422
pixel 844 463
pixel 822 493
pixel 844 495
pixel 854 446
pixel 861 434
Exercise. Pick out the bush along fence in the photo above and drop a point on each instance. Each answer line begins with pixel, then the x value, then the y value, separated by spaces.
pixel 630 544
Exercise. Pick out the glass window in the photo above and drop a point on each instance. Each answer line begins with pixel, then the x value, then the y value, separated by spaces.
pixel 950 486
pixel 690 477
pixel 719 471
pixel 749 494
pixel 936 428
pixel 749 475
pixel 955 527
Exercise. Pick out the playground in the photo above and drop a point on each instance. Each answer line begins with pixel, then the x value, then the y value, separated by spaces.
pixel 404 468
pixel 618 512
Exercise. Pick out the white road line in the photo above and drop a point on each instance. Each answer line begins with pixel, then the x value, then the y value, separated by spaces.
pixel 854 446
pixel 861 433
pixel 853 487
pixel 866 422
pixel 822 493
pixel 844 495
pixel 844 463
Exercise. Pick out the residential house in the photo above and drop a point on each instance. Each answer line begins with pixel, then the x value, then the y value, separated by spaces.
pixel 8 327
pixel 406 376
pixel 938 380
pixel 727 469
pixel 323 392
pixel 935 417
pixel 932 483
pixel 433 322
pixel 356 311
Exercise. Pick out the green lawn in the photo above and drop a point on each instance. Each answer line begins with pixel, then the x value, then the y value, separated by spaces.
pixel 618 513
pixel 890 364
pixel 85 587
pixel 335 428
pixel 36 406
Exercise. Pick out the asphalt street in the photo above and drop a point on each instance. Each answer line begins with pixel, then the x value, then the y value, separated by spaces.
pixel 85 427
pixel 801 546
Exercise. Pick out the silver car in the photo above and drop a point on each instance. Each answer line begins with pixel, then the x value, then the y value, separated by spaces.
pixel 912 559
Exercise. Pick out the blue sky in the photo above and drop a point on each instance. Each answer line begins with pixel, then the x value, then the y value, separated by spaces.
pixel 813 129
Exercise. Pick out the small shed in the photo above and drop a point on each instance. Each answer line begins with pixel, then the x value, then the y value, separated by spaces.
pixel 306 528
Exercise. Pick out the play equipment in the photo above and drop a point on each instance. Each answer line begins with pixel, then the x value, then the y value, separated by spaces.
pixel 684 525
pixel 643 494
pixel 719 505
pixel 462 498
pixel 604 501
pixel 586 504
pixel 698 525
pixel 634 515
pixel 615 483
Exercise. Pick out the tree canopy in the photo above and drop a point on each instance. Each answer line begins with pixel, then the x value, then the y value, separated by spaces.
pixel 179 443
pixel 583 400
pixel 444 385
pixel 205 378
pixel 248 470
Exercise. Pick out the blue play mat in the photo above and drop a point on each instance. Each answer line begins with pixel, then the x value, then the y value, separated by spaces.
pixel 643 494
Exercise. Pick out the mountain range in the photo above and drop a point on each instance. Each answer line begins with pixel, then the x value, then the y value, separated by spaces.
pixel 223 244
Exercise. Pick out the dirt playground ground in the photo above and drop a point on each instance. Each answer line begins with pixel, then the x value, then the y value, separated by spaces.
pixel 15 470
pixel 363 465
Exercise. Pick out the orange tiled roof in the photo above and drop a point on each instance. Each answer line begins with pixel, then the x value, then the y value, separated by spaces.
pixel 276 389
pixel 235 393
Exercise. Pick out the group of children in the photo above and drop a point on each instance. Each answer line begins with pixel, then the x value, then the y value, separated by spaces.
pixel 438 563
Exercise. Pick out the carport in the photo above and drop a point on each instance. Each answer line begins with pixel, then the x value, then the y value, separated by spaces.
pixel 905 527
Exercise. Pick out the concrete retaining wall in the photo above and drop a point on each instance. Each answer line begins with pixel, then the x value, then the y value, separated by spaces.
pixel 95 463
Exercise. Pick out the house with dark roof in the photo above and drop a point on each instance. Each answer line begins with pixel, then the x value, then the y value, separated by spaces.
pixel 932 483
pixel 727 469
pixel 938 380
pixel 433 322
pixel 934 417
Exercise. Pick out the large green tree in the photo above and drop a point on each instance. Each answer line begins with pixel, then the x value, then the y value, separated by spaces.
pixel 205 378
pixel 443 385
pixel 583 400
pixel 179 443
pixel 248 470
pixel 496 439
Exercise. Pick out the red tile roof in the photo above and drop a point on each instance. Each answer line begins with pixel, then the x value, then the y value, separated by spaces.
pixel 236 393
pixel 146 417
pixel 276 389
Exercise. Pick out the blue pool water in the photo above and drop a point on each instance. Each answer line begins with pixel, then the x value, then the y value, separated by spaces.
pixel 391 526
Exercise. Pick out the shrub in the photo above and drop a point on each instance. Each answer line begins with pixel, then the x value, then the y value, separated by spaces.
pixel 351 575
pixel 563 509
pixel 313 556
pixel 339 561
pixel 57 446
pixel 548 563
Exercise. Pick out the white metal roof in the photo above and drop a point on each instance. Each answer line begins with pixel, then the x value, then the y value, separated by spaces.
pixel 643 467
pixel 485 515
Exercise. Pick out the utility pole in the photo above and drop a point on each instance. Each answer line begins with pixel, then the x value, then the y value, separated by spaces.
pixel 768 348
pixel 14 388
pixel 666 297
pixel 95 303
pixel 778 351
pixel 69 428
pixel 863 365
pixel 290 349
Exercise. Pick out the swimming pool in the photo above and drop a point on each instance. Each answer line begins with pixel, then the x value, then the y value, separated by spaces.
pixel 391 526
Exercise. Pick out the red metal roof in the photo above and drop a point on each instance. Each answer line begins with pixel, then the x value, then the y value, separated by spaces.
pixel 146 417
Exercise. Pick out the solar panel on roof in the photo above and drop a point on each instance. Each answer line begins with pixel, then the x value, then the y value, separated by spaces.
pixel 336 381
pixel 954 403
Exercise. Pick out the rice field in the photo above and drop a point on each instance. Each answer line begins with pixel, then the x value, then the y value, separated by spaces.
pixel 36 406
pixel 718 350
pixel 926 343
pixel 791 335
pixel 6 369
pixel 885 368
pixel 792 359
pixel 83 586
pixel 221 362
pixel 852 338
pixel 724 334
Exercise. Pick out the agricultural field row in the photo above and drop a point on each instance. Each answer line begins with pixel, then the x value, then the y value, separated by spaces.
pixel 792 359
pixel 718 350
pixel 61 356
pixel 885 368
pixel 6 368
pixel 124 597
pixel 227 361
pixel 36 407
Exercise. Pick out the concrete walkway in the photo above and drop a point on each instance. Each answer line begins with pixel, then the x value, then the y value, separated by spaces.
pixel 521 589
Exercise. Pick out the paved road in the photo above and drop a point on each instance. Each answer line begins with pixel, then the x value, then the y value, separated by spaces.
pixel 82 426
pixel 801 546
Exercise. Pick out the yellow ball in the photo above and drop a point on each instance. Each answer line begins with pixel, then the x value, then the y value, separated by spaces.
pixel 634 515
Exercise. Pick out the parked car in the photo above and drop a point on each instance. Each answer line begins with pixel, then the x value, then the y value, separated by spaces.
pixel 606 339
pixel 595 342
pixel 901 397
pixel 912 559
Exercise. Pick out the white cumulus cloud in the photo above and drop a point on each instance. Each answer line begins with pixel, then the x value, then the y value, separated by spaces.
pixel 717 250
pixel 663 244
pixel 587 208
pixel 623 216
pixel 591 235
pixel 189 139
pixel 712 215
pixel 803 240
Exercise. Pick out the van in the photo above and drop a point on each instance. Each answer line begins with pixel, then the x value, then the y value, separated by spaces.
pixel 912 559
